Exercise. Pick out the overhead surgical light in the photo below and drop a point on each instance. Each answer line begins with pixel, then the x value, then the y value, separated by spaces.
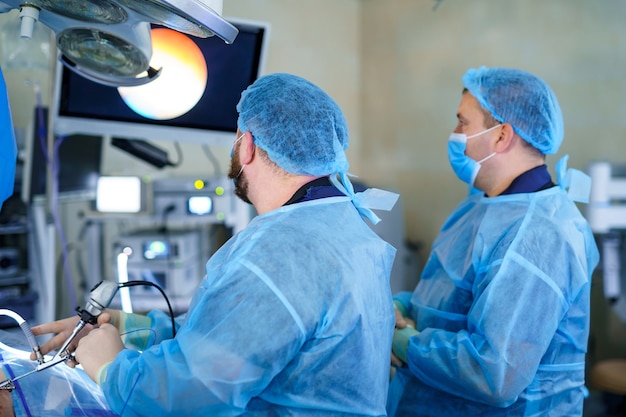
pixel 93 11
pixel 107 58
pixel 108 41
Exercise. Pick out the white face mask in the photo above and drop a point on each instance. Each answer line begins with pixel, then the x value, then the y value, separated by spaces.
pixel 232 150
pixel 463 166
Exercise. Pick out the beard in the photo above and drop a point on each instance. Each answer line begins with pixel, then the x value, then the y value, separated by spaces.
pixel 236 174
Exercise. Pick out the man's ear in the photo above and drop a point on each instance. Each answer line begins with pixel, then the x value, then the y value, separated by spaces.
pixel 506 138
pixel 246 152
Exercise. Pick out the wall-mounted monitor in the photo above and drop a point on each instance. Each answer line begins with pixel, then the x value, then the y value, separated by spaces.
pixel 201 83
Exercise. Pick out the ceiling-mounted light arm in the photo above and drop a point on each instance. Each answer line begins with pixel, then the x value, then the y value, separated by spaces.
pixel 110 80
pixel 29 14
pixel 200 18
pixel 223 29
pixel 207 13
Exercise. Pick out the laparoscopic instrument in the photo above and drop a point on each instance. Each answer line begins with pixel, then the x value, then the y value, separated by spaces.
pixel 99 298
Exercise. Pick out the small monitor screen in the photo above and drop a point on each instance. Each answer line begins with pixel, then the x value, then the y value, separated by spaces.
pixel 200 205
pixel 156 249
pixel 119 195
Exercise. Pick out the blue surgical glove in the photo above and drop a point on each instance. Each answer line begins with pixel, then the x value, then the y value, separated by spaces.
pixel 400 342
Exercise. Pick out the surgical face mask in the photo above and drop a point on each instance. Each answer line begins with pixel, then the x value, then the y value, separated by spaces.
pixel 463 166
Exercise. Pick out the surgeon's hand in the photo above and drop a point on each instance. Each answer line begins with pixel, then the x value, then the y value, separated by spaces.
pixel 400 344
pixel 62 329
pixel 401 316
pixel 401 323
pixel 98 348
pixel 110 316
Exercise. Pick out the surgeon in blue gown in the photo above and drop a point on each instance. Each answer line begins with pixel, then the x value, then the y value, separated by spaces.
pixel 8 159
pixel 8 147
pixel 295 315
pixel 498 324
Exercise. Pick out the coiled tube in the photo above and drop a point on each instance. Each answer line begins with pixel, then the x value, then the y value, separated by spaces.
pixel 27 331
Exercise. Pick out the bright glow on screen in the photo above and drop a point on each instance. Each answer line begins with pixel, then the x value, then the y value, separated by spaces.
pixel 200 205
pixel 156 249
pixel 118 195
pixel 181 83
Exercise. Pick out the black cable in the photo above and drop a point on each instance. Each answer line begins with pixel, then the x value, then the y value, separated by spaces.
pixel 80 267
pixel 166 211
pixel 152 284
pixel 179 152
pixel 211 156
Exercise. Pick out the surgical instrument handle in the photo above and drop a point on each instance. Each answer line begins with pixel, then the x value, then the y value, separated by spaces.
pixel 62 352
pixel 100 297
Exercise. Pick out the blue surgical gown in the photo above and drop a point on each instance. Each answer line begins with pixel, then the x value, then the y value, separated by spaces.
pixel 294 317
pixel 502 308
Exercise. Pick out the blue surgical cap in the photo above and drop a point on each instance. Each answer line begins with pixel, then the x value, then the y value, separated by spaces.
pixel 522 100
pixel 300 127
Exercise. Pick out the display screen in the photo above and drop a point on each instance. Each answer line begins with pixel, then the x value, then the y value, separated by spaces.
pixel 200 205
pixel 156 249
pixel 213 73
pixel 121 194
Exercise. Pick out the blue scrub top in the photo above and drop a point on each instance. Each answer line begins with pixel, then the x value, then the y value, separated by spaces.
pixel 531 181
pixel 318 188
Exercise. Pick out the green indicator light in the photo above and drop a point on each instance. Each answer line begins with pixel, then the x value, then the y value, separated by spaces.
pixel 219 190
pixel 220 216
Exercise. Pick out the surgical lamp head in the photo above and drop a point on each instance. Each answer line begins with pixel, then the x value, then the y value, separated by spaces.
pixel 521 99
pixel 109 41
pixel 300 127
